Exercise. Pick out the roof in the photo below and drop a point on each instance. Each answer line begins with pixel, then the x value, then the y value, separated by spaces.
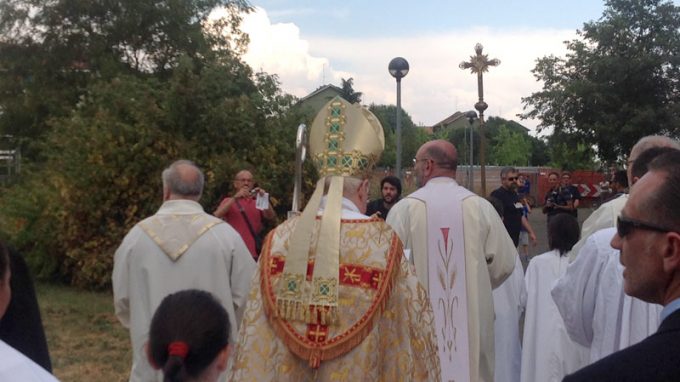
pixel 319 90
pixel 450 119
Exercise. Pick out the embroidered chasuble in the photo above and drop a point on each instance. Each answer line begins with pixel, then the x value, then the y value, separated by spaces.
pixel 446 269
pixel 180 247
pixel 174 234
pixel 384 325
pixel 489 260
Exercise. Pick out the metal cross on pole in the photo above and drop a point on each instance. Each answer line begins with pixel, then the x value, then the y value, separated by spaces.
pixel 479 64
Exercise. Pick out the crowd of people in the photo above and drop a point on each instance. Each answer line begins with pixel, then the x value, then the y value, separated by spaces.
pixel 429 286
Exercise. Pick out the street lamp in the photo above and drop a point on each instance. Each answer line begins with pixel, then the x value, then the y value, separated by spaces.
pixel 398 68
pixel 479 64
pixel 471 116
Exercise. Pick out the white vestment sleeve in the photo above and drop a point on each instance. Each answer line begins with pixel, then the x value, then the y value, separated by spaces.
pixel 242 269
pixel 575 293
pixel 120 277
pixel 408 219
pixel 499 249
pixel 603 217
pixel 399 220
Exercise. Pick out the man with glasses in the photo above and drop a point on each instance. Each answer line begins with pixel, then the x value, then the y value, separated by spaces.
pixel 461 251
pixel 510 297
pixel 648 237
pixel 241 212
pixel 590 296
pixel 179 247
pixel 513 209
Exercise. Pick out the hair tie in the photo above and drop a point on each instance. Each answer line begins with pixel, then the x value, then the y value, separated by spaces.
pixel 179 349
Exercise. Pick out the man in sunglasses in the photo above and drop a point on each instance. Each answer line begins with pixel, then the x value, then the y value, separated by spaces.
pixel 648 236
pixel 590 296
pixel 513 210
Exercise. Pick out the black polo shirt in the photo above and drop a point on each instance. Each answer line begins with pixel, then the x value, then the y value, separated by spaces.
pixel 379 207
pixel 512 212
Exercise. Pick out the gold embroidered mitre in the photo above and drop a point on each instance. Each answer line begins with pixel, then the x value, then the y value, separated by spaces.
pixel 345 140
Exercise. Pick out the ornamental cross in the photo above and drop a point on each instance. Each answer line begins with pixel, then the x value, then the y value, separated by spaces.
pixel 317 333
pixel 350 273
pixel 479 64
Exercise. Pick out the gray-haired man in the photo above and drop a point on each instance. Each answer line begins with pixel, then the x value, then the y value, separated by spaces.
pixel 180 247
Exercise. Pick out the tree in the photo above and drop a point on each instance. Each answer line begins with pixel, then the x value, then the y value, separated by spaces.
pixel 540 155
pixel 102 144
pixel 50 51
pixel 619 81
pixel 348 92
pixel 504 138
pixel 510 148
pixel 411 136
pixel 538 149
pixel 570 158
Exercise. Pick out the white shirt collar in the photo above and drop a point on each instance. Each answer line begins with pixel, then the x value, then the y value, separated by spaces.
pixel 349 209
pixel 180 207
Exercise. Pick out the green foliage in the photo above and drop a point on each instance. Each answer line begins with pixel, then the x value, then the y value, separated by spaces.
pixel 411 135
pixel 510 148
pixel 100 160
pixel 50 51
pixel 348 92
pixel 104 163
pixel 28 210
pixel 570 158
pixel 618 82
pixel 508 143
pixel 103 149
pixel 540 155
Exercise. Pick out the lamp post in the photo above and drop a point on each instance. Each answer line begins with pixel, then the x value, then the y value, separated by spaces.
pixel 398 68
pixel 471 116
pixel 479 64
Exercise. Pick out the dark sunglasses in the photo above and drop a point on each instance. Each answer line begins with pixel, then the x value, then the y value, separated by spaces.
pixel 624 226
pixel 512 179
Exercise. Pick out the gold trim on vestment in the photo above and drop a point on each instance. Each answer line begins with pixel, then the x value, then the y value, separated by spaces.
pixel 175 234
pixel 332 347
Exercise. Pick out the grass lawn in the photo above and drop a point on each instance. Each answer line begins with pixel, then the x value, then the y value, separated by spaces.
pixel 86 341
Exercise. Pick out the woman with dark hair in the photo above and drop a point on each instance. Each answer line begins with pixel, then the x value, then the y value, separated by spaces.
pixel 189 337
pixel 14 366
pixel 548 354
pixel 21 327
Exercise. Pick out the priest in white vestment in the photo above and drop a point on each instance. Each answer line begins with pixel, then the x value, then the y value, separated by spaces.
pixel 180 247
pixel 509 300
pixel 605 216
pixel 461 251
pixel 548 354
pixel 596 311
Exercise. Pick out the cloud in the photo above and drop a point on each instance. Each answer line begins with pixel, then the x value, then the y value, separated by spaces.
pixel 434 88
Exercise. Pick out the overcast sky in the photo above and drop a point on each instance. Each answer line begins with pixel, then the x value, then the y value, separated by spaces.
pixel 312 43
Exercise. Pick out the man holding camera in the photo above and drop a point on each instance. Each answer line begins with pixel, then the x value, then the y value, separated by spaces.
pixel 241 212
pixel 558 199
